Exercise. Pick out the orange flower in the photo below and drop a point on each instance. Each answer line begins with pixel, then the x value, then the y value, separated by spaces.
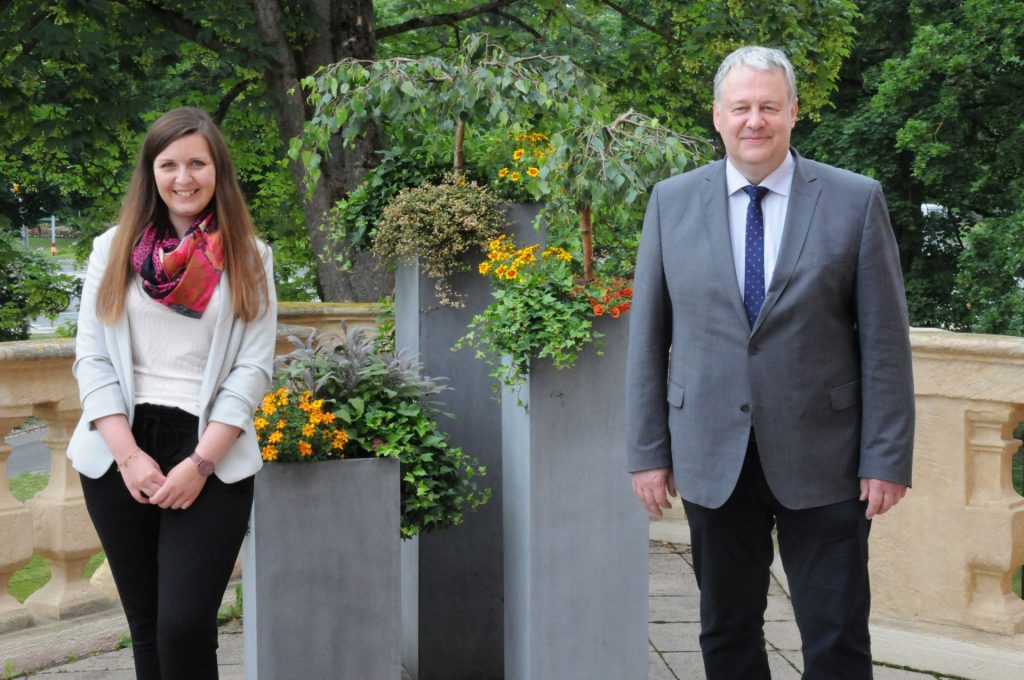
pixel 261 423
pixel 305 448
pixel 340 439
pixel 269 453
pixel 280 425
pixel 615 312
pixel 532 171
pixel 307 430
pixel 517 155
pixel 502 172
pixel 275 437
pixel 598 310
pixel 514 176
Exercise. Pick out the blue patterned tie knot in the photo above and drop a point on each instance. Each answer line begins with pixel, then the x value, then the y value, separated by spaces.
pixel 753 280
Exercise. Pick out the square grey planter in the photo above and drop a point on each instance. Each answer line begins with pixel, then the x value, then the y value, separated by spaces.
pixel 452 624
pixel 320 572
pixel 575 538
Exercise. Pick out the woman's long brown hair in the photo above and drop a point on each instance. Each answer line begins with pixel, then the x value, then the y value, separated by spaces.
pixel 143 206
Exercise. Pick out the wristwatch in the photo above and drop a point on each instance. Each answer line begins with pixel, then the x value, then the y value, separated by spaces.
pixel 205 466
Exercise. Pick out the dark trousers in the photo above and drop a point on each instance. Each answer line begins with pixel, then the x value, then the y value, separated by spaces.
pixel 171 567
pixel 825 554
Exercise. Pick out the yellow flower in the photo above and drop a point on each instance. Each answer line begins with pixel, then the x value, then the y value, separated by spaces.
pixel 327 418
pixel 280 425
pixel 532 171
pixel 485 268
pixel 307 430
pixel 500 271
pixel 261 423
pixel 275 437
pixel 502 172
pixel 511 273
pixel 282 396
pixel 518 154
pixel 514 177
pixel 269 453
pixel 340 439
pixel 305 448
pixel 538 153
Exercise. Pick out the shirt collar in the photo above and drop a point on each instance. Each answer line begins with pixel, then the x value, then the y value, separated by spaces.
pixel 779 181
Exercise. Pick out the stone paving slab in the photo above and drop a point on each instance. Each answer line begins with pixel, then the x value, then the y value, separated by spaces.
pixel 674 635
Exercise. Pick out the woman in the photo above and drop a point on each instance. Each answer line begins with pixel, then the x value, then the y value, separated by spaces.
pixel 176 334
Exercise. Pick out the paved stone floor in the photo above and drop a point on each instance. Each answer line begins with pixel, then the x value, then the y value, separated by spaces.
pixel 674 629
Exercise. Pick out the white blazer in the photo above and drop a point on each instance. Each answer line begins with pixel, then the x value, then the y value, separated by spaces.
pixel 237 374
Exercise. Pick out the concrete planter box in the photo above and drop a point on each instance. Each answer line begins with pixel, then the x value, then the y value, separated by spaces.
pixel 452 611
pixel 321 572
pixel 575 538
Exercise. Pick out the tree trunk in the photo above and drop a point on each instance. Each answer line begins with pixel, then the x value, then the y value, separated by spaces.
pixel 587 230
pixel 347 32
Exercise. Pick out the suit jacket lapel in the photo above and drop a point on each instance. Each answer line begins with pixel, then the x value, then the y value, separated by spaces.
pixel 715 218
pixel 803 199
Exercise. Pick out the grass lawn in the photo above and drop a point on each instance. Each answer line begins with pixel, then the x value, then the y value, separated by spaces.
pixel 36 573
pixel 42 243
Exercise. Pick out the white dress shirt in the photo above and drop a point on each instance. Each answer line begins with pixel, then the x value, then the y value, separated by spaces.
pixel 773 206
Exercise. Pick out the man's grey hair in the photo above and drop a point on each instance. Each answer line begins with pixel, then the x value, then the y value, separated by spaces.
pixel 759 59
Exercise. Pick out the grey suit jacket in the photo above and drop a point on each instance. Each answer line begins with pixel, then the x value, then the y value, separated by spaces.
pixel 824 376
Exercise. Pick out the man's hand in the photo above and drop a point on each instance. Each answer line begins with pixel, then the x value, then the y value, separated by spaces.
pixel 880 495
pixel 653 487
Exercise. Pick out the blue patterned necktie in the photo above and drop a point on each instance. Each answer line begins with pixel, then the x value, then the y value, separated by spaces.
pixel 753 280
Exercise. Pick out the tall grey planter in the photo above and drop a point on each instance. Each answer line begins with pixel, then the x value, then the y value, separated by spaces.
pixel 320 572
pixel 452 609
pixel 575 538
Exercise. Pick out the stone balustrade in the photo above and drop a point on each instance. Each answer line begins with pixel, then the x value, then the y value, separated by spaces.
pixel 947 553
pixel 36 380
pixel 945 556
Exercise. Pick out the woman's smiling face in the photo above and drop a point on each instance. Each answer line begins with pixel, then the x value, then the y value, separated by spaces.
pixel 185 179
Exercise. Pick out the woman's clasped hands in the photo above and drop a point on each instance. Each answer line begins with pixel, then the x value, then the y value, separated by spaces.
pixel 148 485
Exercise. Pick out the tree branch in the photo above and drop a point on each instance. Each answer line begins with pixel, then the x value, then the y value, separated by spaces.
pixel 444 19
pixel 229 98
pixel 626 14
pixel 522 24
pixel 177 23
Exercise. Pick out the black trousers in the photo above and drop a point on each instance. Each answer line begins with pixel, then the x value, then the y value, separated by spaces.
pixel 171 567
pixel 825 554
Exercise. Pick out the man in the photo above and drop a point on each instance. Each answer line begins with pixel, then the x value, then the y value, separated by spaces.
pixel 769 377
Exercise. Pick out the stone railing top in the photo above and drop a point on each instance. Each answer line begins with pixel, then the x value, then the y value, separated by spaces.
pixel 975 345
pixel 26 350
pixel 287 309
pixel 968 365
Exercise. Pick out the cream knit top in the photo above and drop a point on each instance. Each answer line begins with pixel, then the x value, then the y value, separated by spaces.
pixel 169 350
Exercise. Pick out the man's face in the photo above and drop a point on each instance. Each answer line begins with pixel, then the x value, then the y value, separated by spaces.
pixel 755 118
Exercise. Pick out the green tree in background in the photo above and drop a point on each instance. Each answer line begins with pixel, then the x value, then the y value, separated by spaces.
pixel 928 104
pixel 81 79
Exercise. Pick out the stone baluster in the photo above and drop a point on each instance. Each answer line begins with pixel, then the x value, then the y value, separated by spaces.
pixel 15 538
pixel 994 509
pixel 64 534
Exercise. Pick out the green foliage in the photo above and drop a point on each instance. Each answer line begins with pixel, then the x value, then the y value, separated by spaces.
pixel 439 224
pixel 928 105
pixel 353 220
pixel 31 285
pixel 384 403
pixel 541 309
pixel 991 272
pixel 384 341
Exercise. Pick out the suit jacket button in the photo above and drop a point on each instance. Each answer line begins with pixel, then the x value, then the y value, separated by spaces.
pixel 745 408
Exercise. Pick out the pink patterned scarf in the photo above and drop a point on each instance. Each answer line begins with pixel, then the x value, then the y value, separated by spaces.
pixel 181 274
